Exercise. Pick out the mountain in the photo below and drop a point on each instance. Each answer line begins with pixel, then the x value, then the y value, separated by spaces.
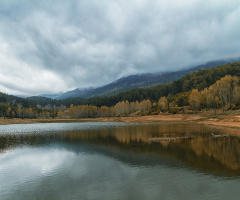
pixel 79 92
pixel 177 92
pixel 138 81
pixel 197 80
pixel 52 96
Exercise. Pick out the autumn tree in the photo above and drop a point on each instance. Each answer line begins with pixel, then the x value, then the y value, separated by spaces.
pixel 120 108
pixel 145 105
pixel 104 111
pixel 236 94
pixel 133 107
pixel 9 112
pixel 13 114
pixel 60 113
pixel 163 104
pixel 195 99
pixel 226 87
pixel 29 113
pixel 207 98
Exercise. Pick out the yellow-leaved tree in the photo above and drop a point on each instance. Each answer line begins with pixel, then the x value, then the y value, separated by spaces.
pixel 195 99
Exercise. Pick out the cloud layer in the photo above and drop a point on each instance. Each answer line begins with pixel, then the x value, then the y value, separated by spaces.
pixel 58 45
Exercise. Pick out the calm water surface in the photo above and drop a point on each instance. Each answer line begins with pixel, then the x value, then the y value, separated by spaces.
pixel 118 161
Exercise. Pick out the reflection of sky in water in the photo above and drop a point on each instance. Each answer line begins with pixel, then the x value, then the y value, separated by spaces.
pixel 57 172
pixel 112 162
pixel 53 127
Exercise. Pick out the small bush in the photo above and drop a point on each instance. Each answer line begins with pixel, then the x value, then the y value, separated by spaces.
pixel 231 106
pixel 236 107
pixel 174 111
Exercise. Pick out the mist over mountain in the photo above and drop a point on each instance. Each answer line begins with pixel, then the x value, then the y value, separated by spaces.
pixel 137 81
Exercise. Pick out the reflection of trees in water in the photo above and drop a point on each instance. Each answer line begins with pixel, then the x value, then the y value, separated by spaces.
pixel 225 150
pixel 218 155
pixel 12 141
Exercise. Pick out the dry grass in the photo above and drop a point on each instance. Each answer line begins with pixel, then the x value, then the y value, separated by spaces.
pixel 227 119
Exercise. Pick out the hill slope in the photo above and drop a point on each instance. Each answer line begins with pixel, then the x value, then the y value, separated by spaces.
pixel 137 81
pixel 197 80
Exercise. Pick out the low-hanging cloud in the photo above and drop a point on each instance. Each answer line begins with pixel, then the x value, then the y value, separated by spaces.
pixel 55 46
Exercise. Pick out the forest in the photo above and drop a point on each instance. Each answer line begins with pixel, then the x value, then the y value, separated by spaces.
pixel 213 88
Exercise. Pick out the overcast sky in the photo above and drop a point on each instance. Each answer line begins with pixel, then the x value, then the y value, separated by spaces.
pixel 52 46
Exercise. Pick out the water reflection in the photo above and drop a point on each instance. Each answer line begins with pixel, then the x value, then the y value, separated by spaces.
pixel 200 150
pixel 118 161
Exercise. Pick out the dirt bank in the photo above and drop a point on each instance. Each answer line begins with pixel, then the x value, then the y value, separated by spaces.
pixel 231 120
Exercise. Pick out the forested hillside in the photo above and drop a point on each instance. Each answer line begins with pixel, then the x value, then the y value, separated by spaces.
pixel 138 81
pixel 197 80
pixel 224 94
pixel 12 106
pixel 210 88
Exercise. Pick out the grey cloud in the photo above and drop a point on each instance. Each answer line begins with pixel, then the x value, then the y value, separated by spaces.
pixel 91 43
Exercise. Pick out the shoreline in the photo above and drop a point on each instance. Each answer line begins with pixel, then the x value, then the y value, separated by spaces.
pixel 226 120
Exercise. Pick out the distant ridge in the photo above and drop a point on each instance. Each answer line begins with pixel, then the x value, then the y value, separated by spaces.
pixel 51 96
pixel 137 81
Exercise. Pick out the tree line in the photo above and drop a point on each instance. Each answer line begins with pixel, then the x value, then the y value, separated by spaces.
pixel 197 80
pixel 205 89
pixel 123 108
pixel 225 94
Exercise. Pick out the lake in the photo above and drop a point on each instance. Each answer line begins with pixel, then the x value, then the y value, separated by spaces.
pixel 118 161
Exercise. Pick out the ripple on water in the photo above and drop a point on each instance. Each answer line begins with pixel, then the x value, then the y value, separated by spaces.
pixel 54 127
pixel 116 164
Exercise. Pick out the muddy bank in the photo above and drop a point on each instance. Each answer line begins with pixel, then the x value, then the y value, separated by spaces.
pixel 231 120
